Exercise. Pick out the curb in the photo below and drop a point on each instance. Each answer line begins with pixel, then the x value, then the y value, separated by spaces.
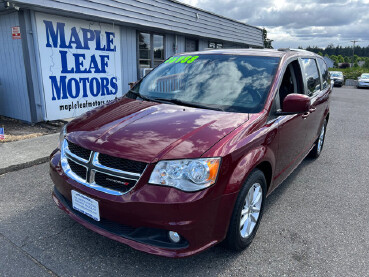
pixel 23 165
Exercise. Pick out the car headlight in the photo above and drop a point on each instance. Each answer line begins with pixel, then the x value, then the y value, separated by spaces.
pixel 62 135
pixel 186 175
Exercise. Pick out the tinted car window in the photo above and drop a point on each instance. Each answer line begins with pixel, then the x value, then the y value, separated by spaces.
pixel 312 75
pixel 324 72
pixel 228 82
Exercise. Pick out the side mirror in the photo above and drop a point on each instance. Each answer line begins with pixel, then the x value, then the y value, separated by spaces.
pixel 132 84
pixel 296 103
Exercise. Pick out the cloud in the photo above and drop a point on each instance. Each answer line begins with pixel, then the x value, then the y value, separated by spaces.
pixel 301 23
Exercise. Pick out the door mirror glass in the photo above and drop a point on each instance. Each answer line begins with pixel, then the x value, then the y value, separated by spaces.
pixel 296 103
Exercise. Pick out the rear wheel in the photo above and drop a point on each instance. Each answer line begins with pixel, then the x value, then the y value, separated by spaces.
pixel 247 212
pixel 319 143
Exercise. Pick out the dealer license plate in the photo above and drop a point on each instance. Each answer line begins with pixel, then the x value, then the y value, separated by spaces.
pixel 85 205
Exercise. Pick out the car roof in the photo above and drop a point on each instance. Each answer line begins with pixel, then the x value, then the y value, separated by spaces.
pixel 254 52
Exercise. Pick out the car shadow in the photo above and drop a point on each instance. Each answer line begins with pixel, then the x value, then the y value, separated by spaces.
pixel 280 190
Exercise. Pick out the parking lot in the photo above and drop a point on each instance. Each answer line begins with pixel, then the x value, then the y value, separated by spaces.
pixel 315 224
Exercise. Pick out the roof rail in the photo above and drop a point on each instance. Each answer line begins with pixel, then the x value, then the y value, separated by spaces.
pixel 292 49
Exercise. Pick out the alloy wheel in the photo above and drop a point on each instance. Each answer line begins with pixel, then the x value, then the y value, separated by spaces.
pixel 251 210
pixel 321 139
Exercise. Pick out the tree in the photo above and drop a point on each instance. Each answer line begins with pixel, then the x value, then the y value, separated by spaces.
pixel 267 42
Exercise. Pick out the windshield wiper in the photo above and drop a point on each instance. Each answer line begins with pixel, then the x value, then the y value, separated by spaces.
pixel 140 95
pixel 188 104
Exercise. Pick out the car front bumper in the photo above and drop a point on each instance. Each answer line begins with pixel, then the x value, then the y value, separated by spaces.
pixel 363 84
pixel 143 217
pixel 338 82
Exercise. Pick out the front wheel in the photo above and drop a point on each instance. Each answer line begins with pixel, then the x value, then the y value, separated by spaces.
pixel 317 149
pixel 247 212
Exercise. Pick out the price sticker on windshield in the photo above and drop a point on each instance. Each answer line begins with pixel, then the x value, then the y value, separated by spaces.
pixel 182 59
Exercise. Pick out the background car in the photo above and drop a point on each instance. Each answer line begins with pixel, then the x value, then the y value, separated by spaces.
pixel 363 81
pixel 337 77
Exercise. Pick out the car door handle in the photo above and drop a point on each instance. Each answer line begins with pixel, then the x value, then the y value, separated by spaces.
pixel 305 115
pixel 312 110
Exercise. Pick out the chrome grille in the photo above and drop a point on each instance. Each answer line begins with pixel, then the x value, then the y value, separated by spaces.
pixel 102 172
pixel 78 169
pixel 114 182
pixel 122 164
pixel 79 151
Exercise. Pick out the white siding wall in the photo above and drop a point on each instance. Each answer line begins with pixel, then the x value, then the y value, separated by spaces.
pixel 158 14
pixel 129 57
pixel 169 43
pixel 181 43
pixel 14 101
pixel 203 43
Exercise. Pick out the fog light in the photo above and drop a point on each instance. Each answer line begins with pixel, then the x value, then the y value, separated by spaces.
pixel 174 236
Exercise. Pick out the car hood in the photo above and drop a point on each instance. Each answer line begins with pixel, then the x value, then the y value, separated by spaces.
pixel 150 131
pixel 364 79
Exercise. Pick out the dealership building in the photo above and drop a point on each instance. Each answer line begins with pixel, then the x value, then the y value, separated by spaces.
pixel 61 58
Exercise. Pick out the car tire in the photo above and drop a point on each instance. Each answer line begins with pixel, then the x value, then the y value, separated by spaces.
pixel 319 143
pixel 249 209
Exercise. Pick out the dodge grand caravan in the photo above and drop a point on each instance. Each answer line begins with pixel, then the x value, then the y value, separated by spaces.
pixel 187 157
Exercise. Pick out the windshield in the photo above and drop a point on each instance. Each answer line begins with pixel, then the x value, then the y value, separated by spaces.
pixel 336 74
pixel 365 76
pixel 224 82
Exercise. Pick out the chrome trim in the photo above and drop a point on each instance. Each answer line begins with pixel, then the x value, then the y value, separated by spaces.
pixel 96 163
pixel 106 190
pixel 111 174
pixel 69 153
pixel 92 166
pixel 66 168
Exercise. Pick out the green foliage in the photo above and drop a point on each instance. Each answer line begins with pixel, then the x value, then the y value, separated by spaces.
pixel 346 51
pixel 267 42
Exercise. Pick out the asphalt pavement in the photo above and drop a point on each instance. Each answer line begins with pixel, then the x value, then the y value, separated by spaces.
pixel 315 224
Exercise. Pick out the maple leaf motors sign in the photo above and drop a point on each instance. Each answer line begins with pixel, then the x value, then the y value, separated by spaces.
pixel 80 64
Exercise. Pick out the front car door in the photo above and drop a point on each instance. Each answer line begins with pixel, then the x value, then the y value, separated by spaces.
pixel 292 129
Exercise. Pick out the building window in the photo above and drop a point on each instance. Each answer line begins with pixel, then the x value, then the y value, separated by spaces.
pixel 151 52
pixel 191 45
pixel 215 45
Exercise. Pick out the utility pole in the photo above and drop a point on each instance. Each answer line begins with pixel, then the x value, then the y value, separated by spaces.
pixel 353 51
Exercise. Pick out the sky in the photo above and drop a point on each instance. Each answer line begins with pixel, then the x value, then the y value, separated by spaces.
pixel 300 22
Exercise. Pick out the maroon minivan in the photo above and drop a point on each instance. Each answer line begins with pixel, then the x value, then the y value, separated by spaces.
pixel 186 158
